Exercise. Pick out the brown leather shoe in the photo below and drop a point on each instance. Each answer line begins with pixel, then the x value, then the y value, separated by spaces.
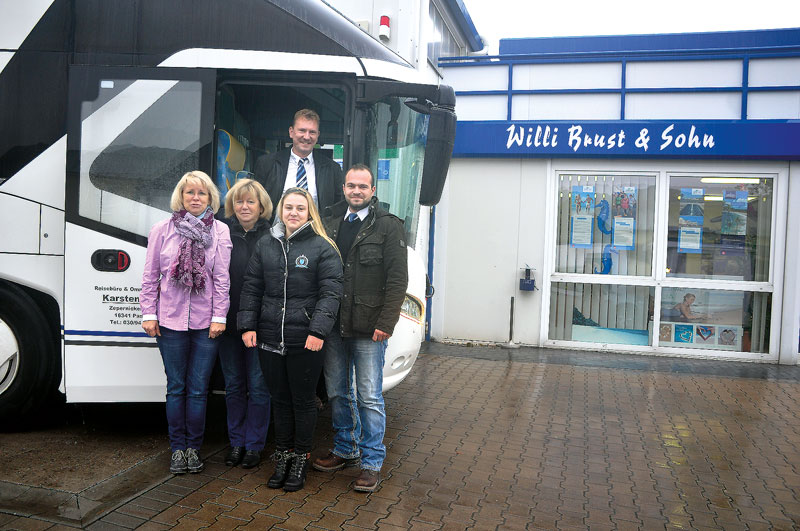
pixel 367 481
pixel 332 462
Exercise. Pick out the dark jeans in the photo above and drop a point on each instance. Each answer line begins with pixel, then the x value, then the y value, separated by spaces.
pixel 189 358
pixel 246 393
pixel 292 381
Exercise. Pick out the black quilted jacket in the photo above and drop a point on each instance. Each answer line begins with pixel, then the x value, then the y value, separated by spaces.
pixel 291 289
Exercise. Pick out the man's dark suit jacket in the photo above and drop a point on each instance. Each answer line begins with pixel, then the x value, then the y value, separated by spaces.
pixel 271 170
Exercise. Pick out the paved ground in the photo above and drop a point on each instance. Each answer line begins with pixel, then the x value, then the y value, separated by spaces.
pixel 487 438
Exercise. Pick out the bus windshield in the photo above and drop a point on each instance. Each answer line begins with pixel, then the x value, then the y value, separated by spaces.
pixel 395 152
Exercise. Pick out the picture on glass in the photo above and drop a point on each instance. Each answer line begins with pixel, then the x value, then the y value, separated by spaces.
pixel 702 318
pixel 625 204
pixel 690 222
pixel 582 216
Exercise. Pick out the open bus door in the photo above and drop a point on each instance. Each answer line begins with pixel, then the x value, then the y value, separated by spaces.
pixel 132 133
pixel 408 133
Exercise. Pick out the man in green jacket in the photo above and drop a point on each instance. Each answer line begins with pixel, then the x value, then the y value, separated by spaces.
pixel 373 248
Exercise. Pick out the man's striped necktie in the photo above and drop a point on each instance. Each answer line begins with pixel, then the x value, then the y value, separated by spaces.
pixel 302 178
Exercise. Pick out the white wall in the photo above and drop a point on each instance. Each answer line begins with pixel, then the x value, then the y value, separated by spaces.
pixel 489 224
pixel 406 19
pixel 790 318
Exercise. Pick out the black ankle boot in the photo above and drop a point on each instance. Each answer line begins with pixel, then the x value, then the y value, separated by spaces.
pixel 283 461
pixel 297 474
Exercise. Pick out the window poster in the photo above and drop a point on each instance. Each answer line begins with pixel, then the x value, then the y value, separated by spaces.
pixel 734 212
pixel 624 201
pixel 581 216
pixel 701 319
pixel 690 221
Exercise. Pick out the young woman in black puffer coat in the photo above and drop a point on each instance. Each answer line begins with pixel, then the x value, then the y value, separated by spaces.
pixel 289 304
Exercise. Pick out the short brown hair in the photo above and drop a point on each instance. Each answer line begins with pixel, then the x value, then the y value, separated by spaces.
pixel 361 167
pixel 244 187
pixel 308 114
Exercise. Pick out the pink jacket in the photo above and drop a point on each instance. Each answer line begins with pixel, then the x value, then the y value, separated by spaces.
pixel 174 306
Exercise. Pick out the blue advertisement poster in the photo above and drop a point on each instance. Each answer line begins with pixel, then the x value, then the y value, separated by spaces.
pixel 734 212
pixel 690 220
pixel 624 207
pixel 581 217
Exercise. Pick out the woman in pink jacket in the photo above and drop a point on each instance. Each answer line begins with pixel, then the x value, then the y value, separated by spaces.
pixel 184 302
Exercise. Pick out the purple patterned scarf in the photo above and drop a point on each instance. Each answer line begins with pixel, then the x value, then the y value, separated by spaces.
pixel 187 268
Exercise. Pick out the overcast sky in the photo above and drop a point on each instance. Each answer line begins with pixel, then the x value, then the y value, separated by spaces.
pixel 496 19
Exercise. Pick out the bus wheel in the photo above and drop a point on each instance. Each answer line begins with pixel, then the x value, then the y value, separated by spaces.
pixel 28 364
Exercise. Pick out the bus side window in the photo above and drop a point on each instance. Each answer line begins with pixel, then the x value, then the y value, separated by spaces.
pixel 134 148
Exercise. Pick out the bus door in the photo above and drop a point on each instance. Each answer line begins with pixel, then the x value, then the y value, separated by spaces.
pixel 132 133
pixel 254 111
pixel 408 133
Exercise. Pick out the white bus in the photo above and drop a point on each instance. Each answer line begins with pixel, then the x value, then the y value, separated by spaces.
pixel 104 105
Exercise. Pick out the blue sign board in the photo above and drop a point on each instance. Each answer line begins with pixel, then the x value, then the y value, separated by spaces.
pixel 647 139
pixel 384 166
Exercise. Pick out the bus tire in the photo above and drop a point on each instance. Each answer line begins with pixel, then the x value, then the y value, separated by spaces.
pixel 29 367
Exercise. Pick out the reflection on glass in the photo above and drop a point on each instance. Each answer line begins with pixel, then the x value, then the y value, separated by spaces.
pixel 601 313
pixel 605 224
pixel 715 319
pixel 396 154
pixel 720 228
pixel 137 140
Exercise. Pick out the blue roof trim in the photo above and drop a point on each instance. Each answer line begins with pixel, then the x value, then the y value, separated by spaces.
pixel 673 42
pixel 465 24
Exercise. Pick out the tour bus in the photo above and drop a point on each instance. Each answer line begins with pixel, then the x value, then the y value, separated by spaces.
pixel 105 104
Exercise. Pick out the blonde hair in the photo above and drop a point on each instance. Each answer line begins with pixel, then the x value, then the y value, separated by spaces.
pixel 245 187
pixel 313 214
pixel 196 176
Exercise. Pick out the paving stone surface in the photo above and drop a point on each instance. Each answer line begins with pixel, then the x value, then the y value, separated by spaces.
pixel 487 438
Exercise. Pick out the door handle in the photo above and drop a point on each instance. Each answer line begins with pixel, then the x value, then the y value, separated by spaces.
pixel 110 260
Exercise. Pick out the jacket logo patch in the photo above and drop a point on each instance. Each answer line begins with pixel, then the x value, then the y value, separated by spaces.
pixel 302 261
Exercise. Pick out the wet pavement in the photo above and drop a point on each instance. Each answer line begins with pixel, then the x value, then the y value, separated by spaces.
pixel 489 438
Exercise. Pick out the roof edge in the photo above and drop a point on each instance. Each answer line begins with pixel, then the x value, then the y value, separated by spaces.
pixel 465 24
pixel 709 41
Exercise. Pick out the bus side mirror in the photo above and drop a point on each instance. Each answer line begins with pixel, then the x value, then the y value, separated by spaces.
pixel 438 150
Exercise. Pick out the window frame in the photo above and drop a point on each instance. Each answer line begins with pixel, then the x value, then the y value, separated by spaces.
pixel 664 170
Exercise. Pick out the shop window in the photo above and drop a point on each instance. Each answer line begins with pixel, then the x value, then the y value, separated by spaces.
pixel 605 224
pixel 719 228
pixel 715 319
pixel 601 313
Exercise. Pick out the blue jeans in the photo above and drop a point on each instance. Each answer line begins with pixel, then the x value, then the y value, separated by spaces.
pixel 189 358
pixel 246 393
pixel 354 381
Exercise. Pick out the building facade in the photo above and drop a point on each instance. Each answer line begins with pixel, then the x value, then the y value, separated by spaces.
pixel 634 193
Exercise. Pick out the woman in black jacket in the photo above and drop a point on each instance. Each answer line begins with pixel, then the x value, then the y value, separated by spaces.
pixel 248 207
pixel 288 306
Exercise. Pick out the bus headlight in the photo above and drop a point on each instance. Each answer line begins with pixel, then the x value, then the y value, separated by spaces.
pixel 412 308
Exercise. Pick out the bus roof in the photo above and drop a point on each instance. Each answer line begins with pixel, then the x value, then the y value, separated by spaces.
pixel 145 32
pixel 41 38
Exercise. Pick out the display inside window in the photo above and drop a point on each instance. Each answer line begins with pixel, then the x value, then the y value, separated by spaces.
pixel 714 319
pixel 719 228
pixel 605 224
pixel 601 313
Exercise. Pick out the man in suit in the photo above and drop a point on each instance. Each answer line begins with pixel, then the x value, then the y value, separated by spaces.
pixel 301 165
